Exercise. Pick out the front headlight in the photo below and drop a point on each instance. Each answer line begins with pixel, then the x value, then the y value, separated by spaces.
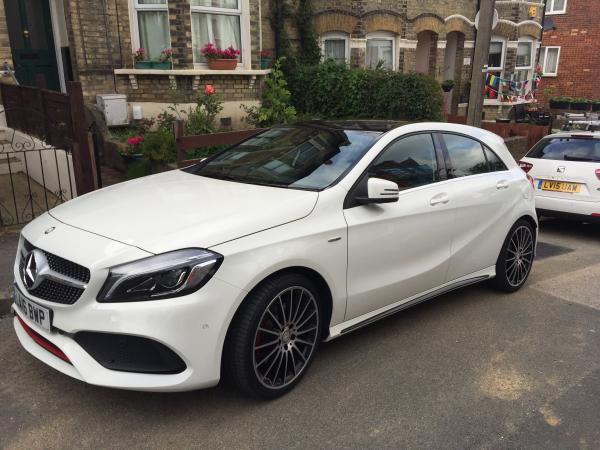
pixel 170 274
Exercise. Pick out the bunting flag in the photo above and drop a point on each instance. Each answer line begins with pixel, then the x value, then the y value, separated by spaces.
pixel 507 90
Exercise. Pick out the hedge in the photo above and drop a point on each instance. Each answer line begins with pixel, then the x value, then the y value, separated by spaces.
pixel 333 91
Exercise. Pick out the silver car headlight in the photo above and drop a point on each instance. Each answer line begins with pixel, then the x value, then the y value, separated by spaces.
pixel 171 274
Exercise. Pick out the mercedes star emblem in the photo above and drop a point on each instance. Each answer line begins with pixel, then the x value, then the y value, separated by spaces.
pixel 35 262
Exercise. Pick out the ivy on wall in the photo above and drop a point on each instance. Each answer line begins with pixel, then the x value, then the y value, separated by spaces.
pixel 308 50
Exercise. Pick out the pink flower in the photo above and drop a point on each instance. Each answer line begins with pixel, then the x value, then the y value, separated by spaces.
pixel 133 141
pixel 209 89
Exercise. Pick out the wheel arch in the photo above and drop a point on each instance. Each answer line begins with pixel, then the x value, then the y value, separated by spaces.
pixel 314 276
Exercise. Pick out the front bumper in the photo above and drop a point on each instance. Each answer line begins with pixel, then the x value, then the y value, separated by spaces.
pixel 192 326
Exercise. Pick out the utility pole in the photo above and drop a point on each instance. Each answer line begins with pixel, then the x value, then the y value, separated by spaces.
pixel 480 61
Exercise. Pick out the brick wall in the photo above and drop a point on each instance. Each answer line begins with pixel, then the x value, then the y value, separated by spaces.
pixel 577 34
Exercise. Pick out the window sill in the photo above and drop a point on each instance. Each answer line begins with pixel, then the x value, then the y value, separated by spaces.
pixel 495 102
pixel 197 75
pixel 193 72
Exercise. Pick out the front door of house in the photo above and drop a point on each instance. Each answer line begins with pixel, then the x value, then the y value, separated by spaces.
pixel 32 42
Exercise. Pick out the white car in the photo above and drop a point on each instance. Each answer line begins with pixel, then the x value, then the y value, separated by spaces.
pixel 565 168
pixel 240 265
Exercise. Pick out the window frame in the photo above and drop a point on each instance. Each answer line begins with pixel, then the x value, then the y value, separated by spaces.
pixel 531 54
pixel 383 35
pixel 551 11
pixel 502 55
pixel 360 184
pixel 335 36
pixel 243 12
pixel 448 161
pixel 543 58
pixel 134 8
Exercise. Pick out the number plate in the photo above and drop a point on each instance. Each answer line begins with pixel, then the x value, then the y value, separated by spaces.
pixel 559 186
pixel 37 314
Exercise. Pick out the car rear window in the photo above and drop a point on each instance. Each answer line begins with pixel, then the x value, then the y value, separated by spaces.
pixel 567 149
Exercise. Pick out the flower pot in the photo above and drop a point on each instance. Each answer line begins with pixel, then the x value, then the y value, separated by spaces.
pixel 162 65
pixel 265 62
pixel 136 166
pixel 143 65
pixel 222 64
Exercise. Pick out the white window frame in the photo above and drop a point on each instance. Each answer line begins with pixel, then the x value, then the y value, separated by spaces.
pixel 134 8
pixel 543 57
pixel 336 35
pixel 502 55
pixel 380 35
pixel 243 11
pixel 550 8
pixel 531 54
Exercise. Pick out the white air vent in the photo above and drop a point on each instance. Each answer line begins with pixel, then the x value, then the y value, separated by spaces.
pixel 114 107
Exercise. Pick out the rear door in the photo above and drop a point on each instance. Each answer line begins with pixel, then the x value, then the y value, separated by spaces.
pixel 566 167
pixel 484 193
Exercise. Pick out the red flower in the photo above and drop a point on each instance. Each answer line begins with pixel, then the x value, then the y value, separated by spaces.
pixel 209 89
pixel 133 141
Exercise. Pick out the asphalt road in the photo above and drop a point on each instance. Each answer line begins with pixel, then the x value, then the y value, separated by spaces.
pixel 471 369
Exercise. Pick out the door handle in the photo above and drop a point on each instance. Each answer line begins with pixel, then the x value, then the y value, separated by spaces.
pixel 439 198
pixel 502 184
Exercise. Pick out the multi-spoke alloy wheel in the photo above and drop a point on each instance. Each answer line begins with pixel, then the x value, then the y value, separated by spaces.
pixel 274 336
pixel 520 255
pixel 286 337
pixel 516 257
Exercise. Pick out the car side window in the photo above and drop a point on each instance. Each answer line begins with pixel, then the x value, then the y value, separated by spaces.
pixel 409 162
pixel 466 156
pixel 495 163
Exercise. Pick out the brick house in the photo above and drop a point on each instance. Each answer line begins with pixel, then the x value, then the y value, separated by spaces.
pixel 93 41
pixel 435 37
pixel 570 54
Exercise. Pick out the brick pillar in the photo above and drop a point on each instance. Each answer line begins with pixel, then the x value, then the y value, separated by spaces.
pixel 180 22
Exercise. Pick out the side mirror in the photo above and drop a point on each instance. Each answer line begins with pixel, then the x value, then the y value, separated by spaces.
pixel 379 191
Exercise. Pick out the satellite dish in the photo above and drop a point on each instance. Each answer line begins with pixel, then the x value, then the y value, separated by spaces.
pixel 494 20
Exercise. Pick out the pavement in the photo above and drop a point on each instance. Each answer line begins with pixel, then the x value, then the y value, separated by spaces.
pixel 472 369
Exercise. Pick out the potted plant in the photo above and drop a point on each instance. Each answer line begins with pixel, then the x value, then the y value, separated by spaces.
pixel 559 102
pixel 265 59
pixel 165 61
pixel 219 59
pixel 136 165
pixel 580 104
pixel 139 59
pixel 447 85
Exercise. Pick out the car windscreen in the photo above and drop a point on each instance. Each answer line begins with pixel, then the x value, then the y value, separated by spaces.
pixel 567 149
pixel 299 157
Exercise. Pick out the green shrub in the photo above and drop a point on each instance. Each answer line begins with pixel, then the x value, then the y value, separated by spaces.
pixel 331 90
pixel 159 145
pixel 275 102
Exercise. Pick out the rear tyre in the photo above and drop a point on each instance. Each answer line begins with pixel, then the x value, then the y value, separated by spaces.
pixel 274 336
pixel 516 257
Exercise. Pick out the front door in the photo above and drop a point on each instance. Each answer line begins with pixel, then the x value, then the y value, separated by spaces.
pixel 32 42
pixel 398 250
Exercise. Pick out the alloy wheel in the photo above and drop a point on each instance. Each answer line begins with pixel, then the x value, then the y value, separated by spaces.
pixel 519 255
pixel 286 337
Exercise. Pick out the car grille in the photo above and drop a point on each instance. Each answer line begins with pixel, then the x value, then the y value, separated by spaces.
pixel 54 291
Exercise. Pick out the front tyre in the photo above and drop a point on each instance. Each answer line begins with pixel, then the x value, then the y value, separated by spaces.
pixel 274 336
pixel 516 257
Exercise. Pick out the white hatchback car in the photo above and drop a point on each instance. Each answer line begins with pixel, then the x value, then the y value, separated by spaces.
pixel 240 265
pixel 566 171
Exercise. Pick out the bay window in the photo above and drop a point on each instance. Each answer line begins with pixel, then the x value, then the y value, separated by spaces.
pixel 549 60
pixel 524 61
pixel 335 46
pixel 381 51
pixel 496 55
pixel 217 22
pixel 151 27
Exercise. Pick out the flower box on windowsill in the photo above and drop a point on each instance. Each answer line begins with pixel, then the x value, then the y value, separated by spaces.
pixel 161 65
pixel 222 64
pixel 143 65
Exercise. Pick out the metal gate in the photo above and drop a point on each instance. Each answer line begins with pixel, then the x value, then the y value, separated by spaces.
pixel 45 151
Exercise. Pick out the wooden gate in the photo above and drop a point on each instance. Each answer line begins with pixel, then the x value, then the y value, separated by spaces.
pixel 45 151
